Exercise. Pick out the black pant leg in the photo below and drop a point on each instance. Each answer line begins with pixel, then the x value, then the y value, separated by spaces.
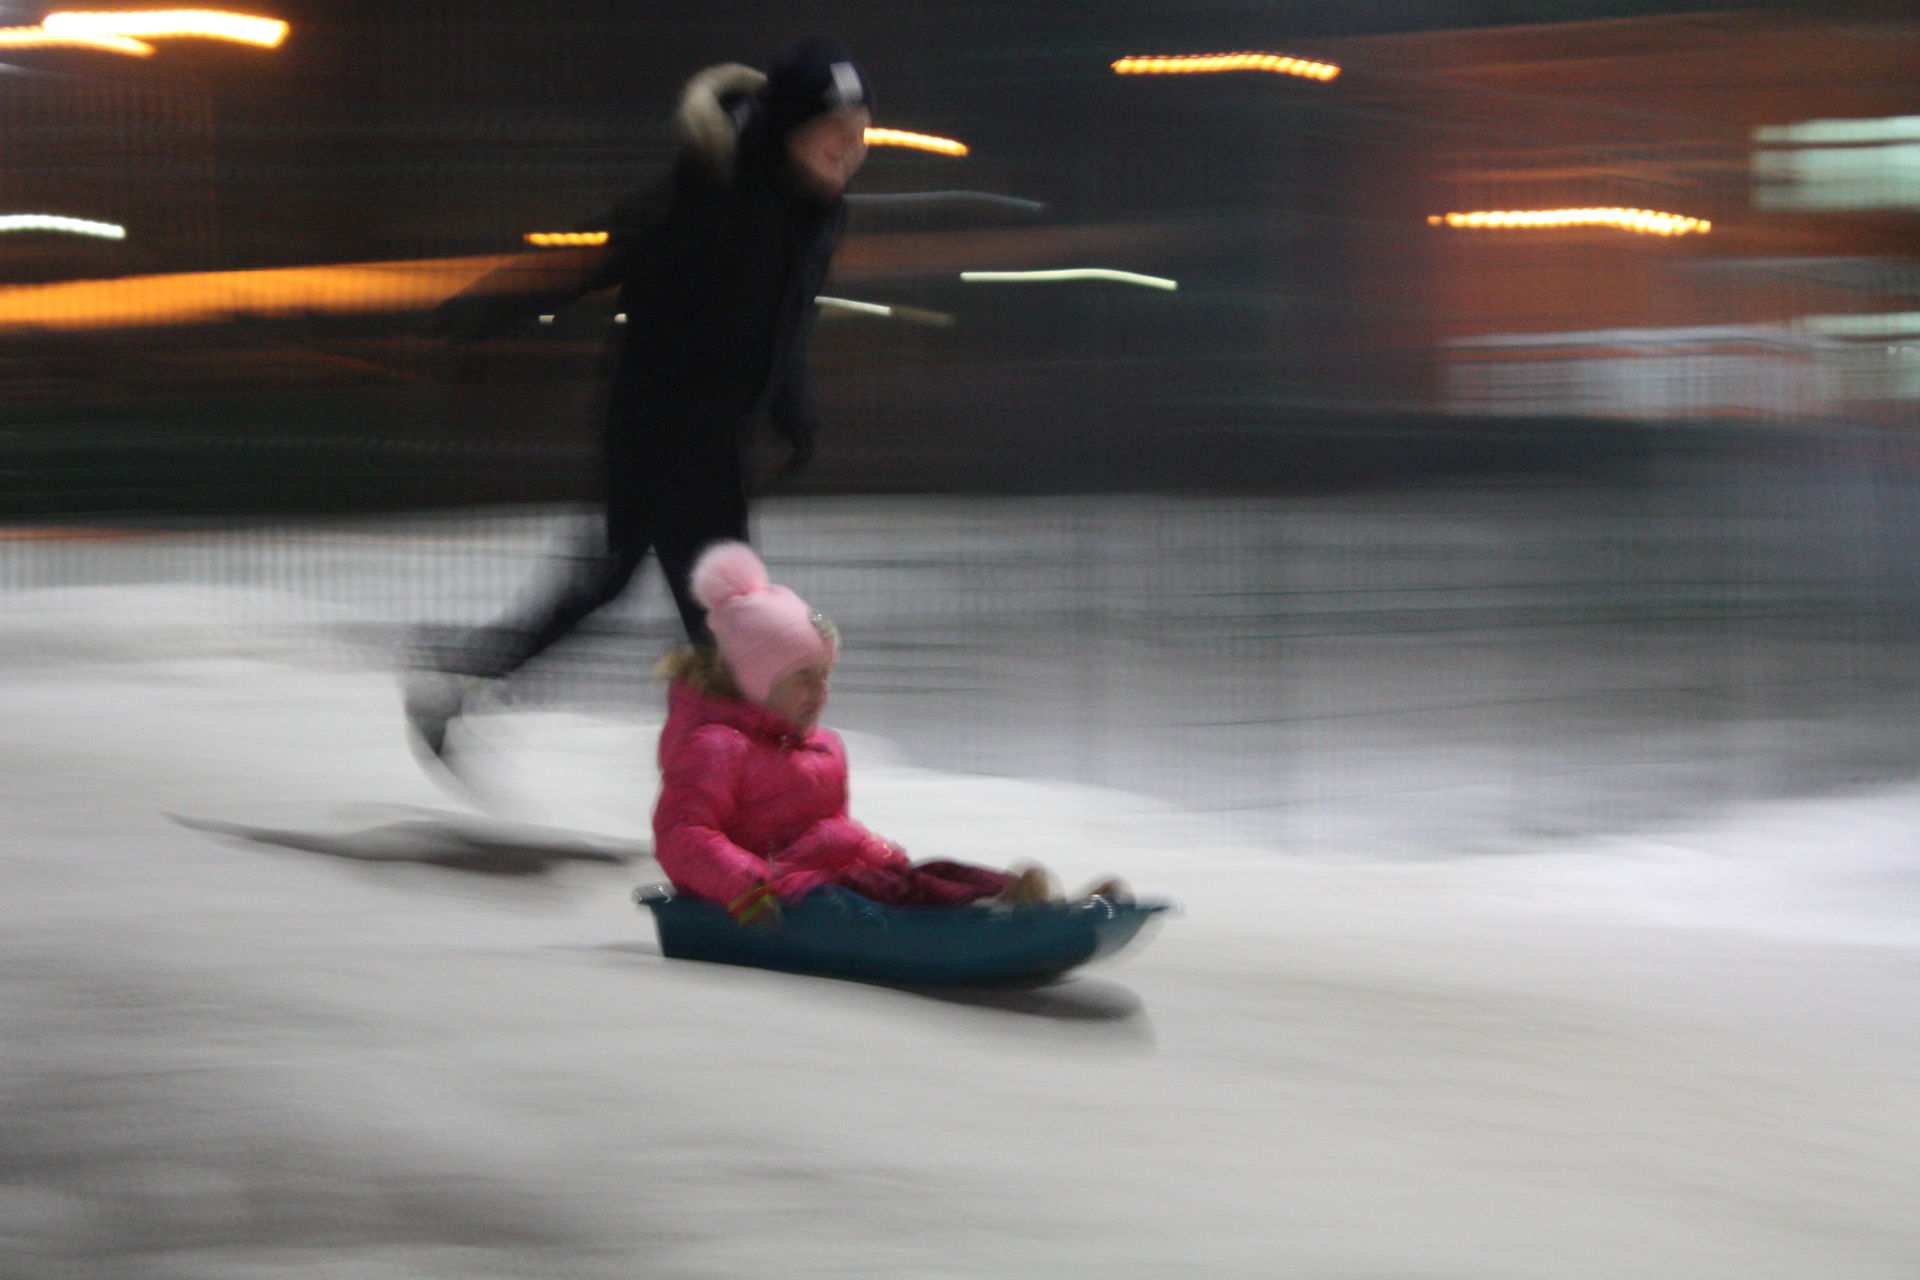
pixel 594 579
pixel 722 518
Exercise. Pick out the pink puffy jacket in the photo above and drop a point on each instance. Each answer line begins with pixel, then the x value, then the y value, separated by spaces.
pixel 746 801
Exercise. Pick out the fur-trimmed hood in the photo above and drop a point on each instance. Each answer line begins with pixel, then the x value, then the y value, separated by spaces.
pixel 712 111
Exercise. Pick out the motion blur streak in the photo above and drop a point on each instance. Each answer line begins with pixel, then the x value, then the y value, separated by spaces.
pixel 913 315
pixel 210 24
pixel 1500 634
pixel 1211 63
pixel 215 296
pixel 42 38
pixel 564 239
pixel 1070 273
pixel 1641 221
pixel 915 141
pixel 54 222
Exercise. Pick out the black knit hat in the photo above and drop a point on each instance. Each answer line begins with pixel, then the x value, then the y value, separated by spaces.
pixel 811 79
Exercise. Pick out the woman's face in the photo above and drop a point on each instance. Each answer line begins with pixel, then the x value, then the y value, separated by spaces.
pixel 801 695
pixel 828 150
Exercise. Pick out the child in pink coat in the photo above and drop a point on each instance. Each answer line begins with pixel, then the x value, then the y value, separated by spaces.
pixel 753 794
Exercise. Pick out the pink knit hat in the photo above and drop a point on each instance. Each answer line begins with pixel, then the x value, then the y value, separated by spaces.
pixel 764 630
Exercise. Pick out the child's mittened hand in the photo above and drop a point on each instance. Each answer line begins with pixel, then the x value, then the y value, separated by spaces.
pixel 757 908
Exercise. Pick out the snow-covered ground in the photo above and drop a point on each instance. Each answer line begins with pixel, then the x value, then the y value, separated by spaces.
pixel 276 1006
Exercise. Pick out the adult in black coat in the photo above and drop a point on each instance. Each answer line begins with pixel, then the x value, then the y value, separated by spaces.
pixel 718 267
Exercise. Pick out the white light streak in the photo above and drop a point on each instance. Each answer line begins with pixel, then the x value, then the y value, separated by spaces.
pixel 54 222
pixel 846 304
pixel 1072 273
pixel 909 315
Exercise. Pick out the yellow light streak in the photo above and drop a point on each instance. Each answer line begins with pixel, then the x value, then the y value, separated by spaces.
pixel 41 38
pixel 916 141
pixel 268 33
pixel 1639 221
pixel 135 302
pixel 273 293
pixel 556 239
pixel 1072 273
pixel 54 222
pixel 1214 63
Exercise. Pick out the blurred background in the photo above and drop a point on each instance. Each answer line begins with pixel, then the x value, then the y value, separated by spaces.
pixel 1528 447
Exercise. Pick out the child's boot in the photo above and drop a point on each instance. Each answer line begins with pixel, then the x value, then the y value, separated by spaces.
pixel 1112 889
pixel 1031 883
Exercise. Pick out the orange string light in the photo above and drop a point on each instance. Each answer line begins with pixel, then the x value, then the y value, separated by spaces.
pixel 554 239
pixel 1639 221
pixel 1213 63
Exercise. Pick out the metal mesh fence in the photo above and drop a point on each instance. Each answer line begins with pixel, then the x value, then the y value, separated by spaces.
pixel 1371 532
pixel 1430 669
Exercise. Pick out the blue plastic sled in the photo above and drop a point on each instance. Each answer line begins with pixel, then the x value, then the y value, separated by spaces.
pixel 836 933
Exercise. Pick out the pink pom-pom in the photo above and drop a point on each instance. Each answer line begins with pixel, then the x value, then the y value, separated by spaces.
pixel 726 571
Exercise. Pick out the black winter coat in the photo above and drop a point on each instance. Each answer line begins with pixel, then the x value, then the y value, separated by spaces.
pixel 718 267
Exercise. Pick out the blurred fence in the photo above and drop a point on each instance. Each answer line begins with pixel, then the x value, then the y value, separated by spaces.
pixel 1428 668
pixel 1375 530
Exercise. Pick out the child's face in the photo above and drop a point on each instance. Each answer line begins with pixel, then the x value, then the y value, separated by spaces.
pixel 801 694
